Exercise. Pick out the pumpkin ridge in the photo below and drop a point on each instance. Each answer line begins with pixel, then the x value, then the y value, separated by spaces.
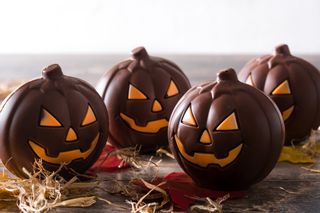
pixel 241 114
pixel 58 96
pixel 150 75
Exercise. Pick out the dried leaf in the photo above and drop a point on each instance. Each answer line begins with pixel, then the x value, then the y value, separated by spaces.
pixel 305 153
pixel 109 160
pixel 182 196
pixel 313 148
pixel 295 155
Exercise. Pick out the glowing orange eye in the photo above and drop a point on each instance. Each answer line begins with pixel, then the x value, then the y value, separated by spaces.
pixel 47 119
pixel 287 113
pixel 282 89
pixel 172 89
pixel 188 118
pixel 135 93
pixel 89 118
pixel 249 81
pixel 230 123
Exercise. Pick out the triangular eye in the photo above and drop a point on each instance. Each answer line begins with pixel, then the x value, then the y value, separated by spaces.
pixel 286 113
pixel 282 89
pixel 230 123
pixel 249 81
pixel 47 119
pixel 188 118
pixel 135 93
pixel 89 118
pixel 172 90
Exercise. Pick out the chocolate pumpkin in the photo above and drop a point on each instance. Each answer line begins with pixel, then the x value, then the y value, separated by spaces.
pixel 140 94
pixel 293 84
pixel 57 118
pixel 226 135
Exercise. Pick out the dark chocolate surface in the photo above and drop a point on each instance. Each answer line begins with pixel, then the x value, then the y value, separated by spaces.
pixel 299 96
pixel 245 128
pixel 57 118
pixel 140 117
pixel 302 187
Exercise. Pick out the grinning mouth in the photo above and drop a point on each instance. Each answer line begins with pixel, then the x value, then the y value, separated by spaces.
pixel 204 159
pixel 66 156
pixel 151 127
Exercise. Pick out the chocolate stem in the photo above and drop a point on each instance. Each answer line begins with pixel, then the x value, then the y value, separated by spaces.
pixel 140 53
pixel 52 72
pixel 282 49
pixel 227 75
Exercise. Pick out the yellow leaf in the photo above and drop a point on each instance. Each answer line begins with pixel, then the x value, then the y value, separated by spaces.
pixel 295 155
pixel 317 148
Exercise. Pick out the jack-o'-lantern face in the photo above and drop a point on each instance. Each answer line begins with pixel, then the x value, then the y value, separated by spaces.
pixel 293 84
pixel 228 126
pixel 47 120
pixel 57 118
pixel 140 95
pixel 152 126
pixel 280 92
pixel 226 135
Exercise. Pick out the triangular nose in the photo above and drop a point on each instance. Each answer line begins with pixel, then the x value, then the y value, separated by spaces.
pixel 205 137
pixel 71 136
pixel 156 107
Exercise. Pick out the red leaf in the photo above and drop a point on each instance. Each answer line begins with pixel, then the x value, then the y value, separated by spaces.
pixel 180 186
pixel 109 164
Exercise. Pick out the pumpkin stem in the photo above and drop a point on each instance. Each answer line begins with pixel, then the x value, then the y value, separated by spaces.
pixel 282 49
pixel 141 57
pixel 227 75
pixel 140 53
pixel 52 72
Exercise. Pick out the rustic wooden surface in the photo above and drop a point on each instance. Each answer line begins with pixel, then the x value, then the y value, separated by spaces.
pixel 288 188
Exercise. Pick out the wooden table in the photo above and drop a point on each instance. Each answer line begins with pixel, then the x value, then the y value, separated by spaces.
pixel 288 188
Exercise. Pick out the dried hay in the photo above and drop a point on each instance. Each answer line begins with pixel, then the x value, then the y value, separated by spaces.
pixel 306 153
pixel 44 190
pixel 209 204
